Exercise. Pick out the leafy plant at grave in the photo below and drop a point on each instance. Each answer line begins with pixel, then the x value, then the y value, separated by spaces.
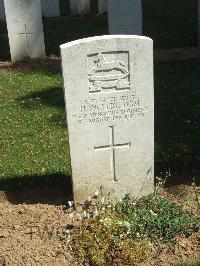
pixel 157 218
pixel 120 234
pixel 106 241
pixel 188 264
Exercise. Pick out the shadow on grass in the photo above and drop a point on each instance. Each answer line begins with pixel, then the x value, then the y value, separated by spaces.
pixel 177 128
pixel 55 189
pixel 177 112
pixel 53 97
pixel 51 65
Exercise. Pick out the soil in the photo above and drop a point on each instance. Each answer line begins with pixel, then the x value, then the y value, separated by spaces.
pixel 24 238
pixel 35 233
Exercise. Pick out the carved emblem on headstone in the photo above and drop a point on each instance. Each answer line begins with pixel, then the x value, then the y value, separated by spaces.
pixel 108 74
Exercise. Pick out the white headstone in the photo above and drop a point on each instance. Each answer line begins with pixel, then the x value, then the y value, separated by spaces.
pixel 108 83
pixel 50 8
pixel 79 7
pixel 2 10
pixel 102 6
pixel 125 17
pixel 25 30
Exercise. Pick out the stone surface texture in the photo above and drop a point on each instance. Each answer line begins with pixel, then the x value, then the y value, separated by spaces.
pixel 50 8
pixel 102 6
pixel 79 7
pixel 108 84
pixel 25 29
pixel 125 17
pixel 2 10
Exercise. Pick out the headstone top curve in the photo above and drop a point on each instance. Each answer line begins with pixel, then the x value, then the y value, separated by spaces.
pixel 104 37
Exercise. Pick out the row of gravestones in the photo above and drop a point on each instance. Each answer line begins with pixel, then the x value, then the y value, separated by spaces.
pixel 50 8
pixel 25 29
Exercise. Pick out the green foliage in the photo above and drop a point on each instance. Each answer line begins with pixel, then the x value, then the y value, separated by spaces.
pixel 197 263
pixel 106 241
pixel 156 217
pixel 122 233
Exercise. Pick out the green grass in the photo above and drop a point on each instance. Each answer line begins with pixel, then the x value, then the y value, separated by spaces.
pixel 188 264
pixel 171 23
pixel 33 137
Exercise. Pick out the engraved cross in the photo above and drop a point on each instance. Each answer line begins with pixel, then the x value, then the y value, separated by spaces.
pixel 26 35
pixel 112 146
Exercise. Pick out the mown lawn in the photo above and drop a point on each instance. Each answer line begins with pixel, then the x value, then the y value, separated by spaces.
pixel 33 138
pixel 33 132
pixel 170 23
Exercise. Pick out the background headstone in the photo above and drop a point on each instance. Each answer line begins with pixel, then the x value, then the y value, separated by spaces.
pixel 125 17
pixel 102 6
pixel 79 7
pixel 2 10
pixel 50 8
pixel 109 99
pixel 25 29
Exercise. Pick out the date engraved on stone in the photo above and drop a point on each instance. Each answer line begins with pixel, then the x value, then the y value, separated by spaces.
pixel 110 109
pixel 108 72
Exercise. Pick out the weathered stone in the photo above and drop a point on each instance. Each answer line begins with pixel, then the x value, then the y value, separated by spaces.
pixel 125 17
pixel 109 99
pixel 25 30
pixel 102 6
pixel 2 10
pixel 50 8
pixel 79 7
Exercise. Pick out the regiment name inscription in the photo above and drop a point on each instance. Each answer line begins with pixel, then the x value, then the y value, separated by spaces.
pixel 108 109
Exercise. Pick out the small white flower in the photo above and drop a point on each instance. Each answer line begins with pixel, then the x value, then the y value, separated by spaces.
pixel 121 236
pixel 77 216
pixel 153 213
pixel 85 214
pixel 95 213
pixel 126 224
pixel 103 200
pixel 96 194
pixel 89 199
pixel 70 203
pixel 68 238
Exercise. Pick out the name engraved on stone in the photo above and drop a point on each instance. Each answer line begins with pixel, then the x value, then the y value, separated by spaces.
pixel 110 109
pixel 112 147
pixel 108 73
